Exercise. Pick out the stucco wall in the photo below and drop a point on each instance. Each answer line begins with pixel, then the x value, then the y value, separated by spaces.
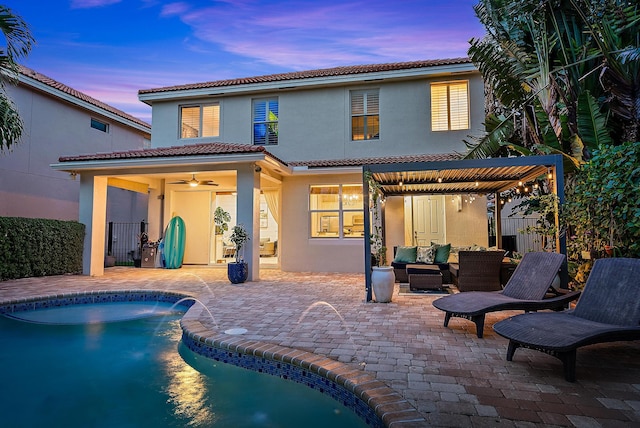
pixel 29 187
pixel 315 123
pixel 299 252
pixel 468 226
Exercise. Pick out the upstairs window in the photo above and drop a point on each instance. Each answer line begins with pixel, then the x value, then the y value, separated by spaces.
pixel 365 115
pixel 100 126
pixel 265 121
pixel 200 121
pixel 450 106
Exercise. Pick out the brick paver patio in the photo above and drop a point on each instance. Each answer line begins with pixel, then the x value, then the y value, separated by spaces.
pixel 452 378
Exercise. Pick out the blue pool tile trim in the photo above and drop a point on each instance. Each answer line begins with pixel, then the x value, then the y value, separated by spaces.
pixel 91 297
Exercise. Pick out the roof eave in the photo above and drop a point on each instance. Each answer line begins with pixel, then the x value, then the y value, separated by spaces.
pixel 285 85
pixel 113 164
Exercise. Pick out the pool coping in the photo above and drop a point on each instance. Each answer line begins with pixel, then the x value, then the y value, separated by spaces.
pixel 389 407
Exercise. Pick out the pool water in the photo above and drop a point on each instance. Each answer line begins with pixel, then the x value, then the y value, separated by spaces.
pixel 135 373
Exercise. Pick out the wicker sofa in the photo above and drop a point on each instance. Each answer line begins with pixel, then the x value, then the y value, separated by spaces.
pixel 400 268
pixel 477 270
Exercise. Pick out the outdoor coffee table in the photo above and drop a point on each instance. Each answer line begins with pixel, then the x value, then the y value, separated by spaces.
pixel 424 277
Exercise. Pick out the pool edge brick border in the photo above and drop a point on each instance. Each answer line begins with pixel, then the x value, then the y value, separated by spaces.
pixel 389 407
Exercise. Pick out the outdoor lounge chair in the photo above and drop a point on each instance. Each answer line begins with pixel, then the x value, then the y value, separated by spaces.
pixel 526 290
pixel 608 311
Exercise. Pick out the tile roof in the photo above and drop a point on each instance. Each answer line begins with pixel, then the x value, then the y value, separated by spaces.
pixel 79 95
pixel 211 149
pixel 310 74
pixel 376 161
pixel 206 149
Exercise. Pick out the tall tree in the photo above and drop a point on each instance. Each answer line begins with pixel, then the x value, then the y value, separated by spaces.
pixel 564 75
pixel 18 42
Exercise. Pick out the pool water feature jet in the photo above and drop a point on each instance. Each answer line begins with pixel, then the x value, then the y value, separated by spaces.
pixel 354 358
pixel 186 299
pixel 203 282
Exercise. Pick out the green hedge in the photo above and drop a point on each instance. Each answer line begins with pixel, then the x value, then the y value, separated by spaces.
pixel 39 247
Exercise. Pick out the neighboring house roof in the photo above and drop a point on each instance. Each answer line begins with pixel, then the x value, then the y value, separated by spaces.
pixel 67 93
pixel 311 74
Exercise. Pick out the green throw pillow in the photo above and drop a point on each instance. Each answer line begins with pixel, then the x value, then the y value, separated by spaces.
pixel 442 253
pixel 406 255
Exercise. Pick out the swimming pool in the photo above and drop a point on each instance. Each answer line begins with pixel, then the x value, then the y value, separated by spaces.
pixel 72 375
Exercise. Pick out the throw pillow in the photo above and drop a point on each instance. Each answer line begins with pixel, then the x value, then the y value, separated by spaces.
pixel 406 255
pixel 442 253
pixel 426 254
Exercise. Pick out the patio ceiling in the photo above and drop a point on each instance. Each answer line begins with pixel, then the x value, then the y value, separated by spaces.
pixel 462 176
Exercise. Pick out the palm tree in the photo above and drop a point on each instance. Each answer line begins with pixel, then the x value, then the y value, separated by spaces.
pixel 18 44
pixel 564 74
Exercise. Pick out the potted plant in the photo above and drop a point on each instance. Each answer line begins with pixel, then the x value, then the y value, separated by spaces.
pixel 238 271
pixel 382 277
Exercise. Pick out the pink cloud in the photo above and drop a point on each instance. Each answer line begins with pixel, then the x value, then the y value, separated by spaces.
pixel 173 9
pixel 87 4
pixel 301 35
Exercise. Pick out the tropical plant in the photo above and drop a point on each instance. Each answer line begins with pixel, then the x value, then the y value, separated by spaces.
pixel 563 76
pixel 221 218
pixel 239 237
pixel 602 207
pixel 18 44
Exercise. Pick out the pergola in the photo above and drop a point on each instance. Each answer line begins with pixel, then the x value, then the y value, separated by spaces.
pixel 468 176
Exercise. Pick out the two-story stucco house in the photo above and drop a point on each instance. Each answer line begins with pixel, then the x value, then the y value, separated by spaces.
pixel 283 154
pixel 59 120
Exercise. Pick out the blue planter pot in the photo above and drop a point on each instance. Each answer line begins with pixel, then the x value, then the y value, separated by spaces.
pixel 237 272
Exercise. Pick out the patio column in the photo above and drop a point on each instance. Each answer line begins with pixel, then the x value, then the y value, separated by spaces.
pixel 93 214
pixel 497 218
pixel 248 214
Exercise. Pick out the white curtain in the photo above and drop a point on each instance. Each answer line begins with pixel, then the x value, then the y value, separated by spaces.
pixel 271 196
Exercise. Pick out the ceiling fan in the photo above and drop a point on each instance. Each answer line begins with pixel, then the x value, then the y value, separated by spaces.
pixel 195 182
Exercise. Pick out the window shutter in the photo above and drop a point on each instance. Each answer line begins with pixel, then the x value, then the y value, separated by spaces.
pixel 459 106
pixel 373 103
pixel 190 122
pixel 439 108
pixel 265 121
pixel 211 121
pixel 357 104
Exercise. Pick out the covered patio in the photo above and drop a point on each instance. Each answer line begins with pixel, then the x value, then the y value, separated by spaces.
pixel 462 177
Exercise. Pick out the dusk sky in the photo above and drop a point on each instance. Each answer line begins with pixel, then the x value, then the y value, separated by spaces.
pixel 109 49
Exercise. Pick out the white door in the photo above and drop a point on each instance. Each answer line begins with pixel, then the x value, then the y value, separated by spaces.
pixel 193 207
pixel 428 220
